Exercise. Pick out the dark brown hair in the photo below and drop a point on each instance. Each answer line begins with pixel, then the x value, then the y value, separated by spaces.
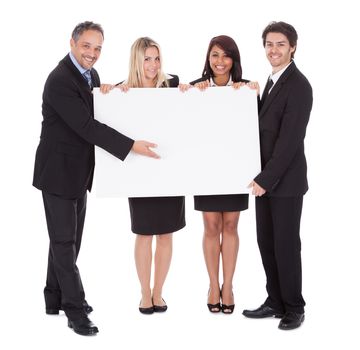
pixel 284 28
pixel 229 46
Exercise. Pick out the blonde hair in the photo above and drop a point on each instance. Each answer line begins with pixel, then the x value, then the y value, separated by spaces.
pixel 136 65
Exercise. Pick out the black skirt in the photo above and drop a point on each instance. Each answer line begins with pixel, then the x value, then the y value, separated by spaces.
pixel 157 215
pixel 223 203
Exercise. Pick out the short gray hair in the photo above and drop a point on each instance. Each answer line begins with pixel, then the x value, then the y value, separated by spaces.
pixel 84 26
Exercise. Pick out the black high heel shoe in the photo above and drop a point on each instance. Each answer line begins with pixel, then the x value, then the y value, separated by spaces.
pixel 214 308
pixel 227 309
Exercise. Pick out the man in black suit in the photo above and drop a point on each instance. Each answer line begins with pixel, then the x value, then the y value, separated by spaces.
pixel 284 113
pixel 64 168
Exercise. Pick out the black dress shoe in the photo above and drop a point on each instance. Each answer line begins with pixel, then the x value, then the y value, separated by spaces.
pixel 262 312
pixel 55 311
pixel 83 326
pixel 291 320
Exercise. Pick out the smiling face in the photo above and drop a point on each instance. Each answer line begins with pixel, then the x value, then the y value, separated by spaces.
pixel 87 48
pixel 151 65
pixel 220 62
pixel 278 50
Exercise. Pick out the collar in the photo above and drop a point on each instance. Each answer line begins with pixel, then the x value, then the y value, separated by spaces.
pixel 276 76
pixel 212 83
pixel 77 65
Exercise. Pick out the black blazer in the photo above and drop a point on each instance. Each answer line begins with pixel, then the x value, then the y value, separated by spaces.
pixel 64 163
pixel 173 81
pixel 283 119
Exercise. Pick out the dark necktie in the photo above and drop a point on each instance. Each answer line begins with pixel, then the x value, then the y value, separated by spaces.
pixel 87 76
pixel 268 86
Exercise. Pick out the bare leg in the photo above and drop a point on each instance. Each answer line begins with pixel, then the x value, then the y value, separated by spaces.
pixel 229 251
pixel 143 258
pixel 163 254
pixel 211 246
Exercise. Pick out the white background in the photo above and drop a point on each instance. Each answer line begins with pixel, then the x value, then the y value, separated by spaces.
pixel 35 36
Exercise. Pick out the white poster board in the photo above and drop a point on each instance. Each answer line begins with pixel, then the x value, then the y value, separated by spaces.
pixel 208 141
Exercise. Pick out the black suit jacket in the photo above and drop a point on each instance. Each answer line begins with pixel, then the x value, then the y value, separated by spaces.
pixel 64 163
pixel 172 79
pixel 283 118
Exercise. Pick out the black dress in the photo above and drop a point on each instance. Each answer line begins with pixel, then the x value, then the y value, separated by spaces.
pixel 158 215
pixel 223 202
pixel 220 203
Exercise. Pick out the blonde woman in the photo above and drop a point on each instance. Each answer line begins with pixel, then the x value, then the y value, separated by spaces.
pixel 152 216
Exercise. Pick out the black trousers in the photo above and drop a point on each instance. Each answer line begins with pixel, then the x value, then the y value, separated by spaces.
pixel 278 236
pixel 65 221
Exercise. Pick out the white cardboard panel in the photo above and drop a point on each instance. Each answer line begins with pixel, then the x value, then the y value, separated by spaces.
pixel 208 141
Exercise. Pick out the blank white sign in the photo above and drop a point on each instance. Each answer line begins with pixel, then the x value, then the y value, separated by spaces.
pixel 208 141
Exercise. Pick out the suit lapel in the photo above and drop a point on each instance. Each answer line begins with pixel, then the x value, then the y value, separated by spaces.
pixel 276 89
pixel 75 72
pixel 83 85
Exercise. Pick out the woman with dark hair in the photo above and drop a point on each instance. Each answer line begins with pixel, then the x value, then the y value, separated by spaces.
pixel 221 212
pixel 222 65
